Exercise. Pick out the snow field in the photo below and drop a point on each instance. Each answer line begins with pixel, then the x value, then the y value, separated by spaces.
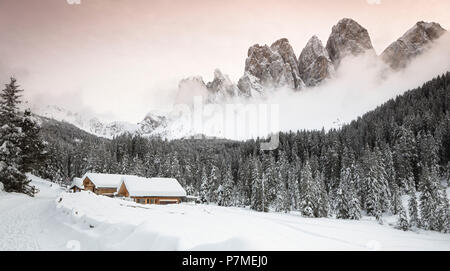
pixel 128 226
pixel 58 220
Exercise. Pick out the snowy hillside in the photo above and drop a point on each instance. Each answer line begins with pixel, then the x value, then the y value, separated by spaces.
pixel 67 221
pixel 169 125
pixel 90 124
pixel 152 124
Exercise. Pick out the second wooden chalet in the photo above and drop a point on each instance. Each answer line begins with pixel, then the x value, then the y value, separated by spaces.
pixel 102 184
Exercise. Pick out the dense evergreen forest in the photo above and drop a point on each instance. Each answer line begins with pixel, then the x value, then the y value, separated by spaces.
pixel 402 147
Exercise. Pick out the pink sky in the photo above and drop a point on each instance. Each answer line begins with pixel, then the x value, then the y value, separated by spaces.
pixel 122 58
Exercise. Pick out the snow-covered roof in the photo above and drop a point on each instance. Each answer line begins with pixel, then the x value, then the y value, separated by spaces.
pixel 78 182
pixel 104 180
pixel 153 187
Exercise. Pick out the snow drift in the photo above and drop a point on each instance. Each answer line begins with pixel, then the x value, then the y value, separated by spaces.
pixel 123 225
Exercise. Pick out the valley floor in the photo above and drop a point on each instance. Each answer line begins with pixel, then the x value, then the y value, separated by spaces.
pixel 55 220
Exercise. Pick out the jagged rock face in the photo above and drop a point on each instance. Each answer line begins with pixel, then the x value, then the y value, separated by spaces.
pixel 314 63
pixel 151 122
pixel 222 86
pixel 347 38
pixel 249 86
pixel 412 43
pixel 284 49
pixel 274 66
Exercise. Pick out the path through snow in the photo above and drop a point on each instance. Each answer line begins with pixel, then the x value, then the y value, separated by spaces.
pixel 32 224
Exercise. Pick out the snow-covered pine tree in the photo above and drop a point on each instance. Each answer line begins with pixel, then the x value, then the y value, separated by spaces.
pixel 443 212
pixel 391 180
pixel 341 204
pixel 389 164
pixel 282 200
pixel 219 196
pixel 11 138
pixel 332 164
pixel 204 187
pixel 323 205
pixel 138 167
pixel 308 199
pixel 125 166
pixel 213 182
pixel 94 162
pixel 402 222
pixel 32 145
pixel 358 183
pixel 427 150
pixel 187 173
pixel 347 203
pixel 175 169
pixel 149 167
pixel 429 199
pixel 282 166
pixel 257 186
pixel 385 195
pixel 227 189
pixel 348 158
pixel 396 198
pixel 156 163
pixel 166 166
pixel 413 210
pixel 245 180
pixel 190 190
pixel 293 192
pixel 270 171
pixel 373 181
pixel 405 155
pixel 263 192
pixel 294 177
pixel 354 203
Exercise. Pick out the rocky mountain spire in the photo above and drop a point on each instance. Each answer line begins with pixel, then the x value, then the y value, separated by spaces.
pixel 250 86
pixel 222 86
pixel 412 43
pixel 314 63
pixel 284 49
pixel 274 66
pixel 348 38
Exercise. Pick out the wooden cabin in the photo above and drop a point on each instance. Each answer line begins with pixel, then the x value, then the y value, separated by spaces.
pixel 102 184
pixel 76 185
pixel 152 190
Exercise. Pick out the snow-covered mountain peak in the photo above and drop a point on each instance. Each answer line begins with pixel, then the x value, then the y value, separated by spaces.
pixel 348 38
pixel 84 121
pixel 412 43
pixel 314 63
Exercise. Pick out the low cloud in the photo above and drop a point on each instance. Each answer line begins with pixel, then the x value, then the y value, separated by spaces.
pixel 361 84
